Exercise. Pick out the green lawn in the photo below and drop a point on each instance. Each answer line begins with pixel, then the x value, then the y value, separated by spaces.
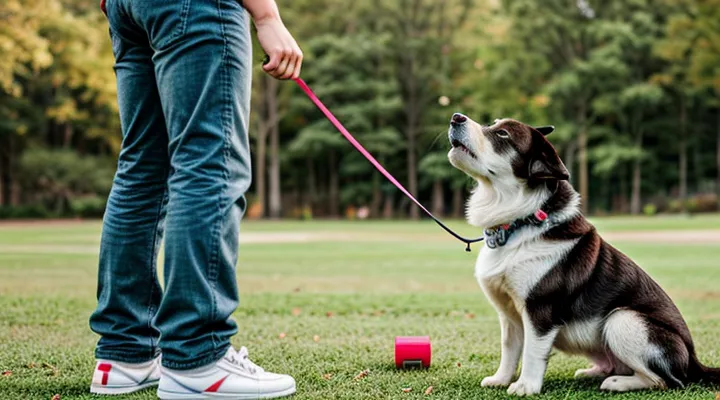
pixel 397 278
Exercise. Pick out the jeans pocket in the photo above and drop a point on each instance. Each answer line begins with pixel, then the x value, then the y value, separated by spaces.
pixel 165 21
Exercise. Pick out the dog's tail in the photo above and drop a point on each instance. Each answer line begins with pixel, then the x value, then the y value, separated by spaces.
pixel 699 373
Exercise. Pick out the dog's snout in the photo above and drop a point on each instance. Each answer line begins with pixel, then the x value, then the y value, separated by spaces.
pixel 458 119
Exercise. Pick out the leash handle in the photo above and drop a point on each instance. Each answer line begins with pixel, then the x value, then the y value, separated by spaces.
pixel 333 120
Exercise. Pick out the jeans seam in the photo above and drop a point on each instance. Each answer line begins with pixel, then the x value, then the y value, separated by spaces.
pixel 153 268
pixel 185 16
pixel 214 262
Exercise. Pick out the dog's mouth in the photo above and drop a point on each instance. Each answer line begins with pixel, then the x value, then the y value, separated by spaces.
pixel 456 144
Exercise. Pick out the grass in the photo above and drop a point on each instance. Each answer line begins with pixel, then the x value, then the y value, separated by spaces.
pixel 402 278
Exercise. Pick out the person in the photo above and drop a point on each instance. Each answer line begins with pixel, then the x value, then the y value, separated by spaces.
pixel 183 72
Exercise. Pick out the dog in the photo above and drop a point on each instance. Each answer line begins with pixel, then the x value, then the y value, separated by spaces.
pixel 551 277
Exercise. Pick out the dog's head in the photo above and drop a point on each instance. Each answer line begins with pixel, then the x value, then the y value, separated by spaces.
pixel 506 152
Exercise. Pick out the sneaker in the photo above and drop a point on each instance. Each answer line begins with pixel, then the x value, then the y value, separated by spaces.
pixel 113 377
pixel 232 377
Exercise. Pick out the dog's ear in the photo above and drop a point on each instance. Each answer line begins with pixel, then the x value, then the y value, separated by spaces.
pixel 545 163
pixel 545 130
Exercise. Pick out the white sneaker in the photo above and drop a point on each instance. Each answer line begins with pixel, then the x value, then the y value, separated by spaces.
pixel 113 377
pixel 232 377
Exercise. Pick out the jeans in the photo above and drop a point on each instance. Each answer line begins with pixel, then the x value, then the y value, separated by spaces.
pixel 183 71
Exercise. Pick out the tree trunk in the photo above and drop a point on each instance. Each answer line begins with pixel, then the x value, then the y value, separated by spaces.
pixel 376 196
pixel 457 202
pixel 438 201
pixel 412 167
pixel 67 136
pixel 635 200
pixel 682 190
pixel 412 112
pixel 13 191
pixel 606 195
pixel 2 177
pixel 570 159
pixel 582 155
pixel 388 207
pixel 682 148
pixel 312 189
pixel 260 175
pixel 275 200
pixel 697 176
pixel 623 192
pixel 261 157
pixel 717 160
pixel 334 186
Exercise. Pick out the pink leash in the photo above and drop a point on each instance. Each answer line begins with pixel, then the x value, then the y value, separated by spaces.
pixel 305 88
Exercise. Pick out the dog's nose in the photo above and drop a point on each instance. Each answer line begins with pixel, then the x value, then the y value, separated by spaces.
pixel 458 119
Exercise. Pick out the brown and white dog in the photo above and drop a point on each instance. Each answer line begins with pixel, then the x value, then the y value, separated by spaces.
pixel 551 277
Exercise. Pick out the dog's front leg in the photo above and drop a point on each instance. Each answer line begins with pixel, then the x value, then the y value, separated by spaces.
pixel 536 349
pixel 512 344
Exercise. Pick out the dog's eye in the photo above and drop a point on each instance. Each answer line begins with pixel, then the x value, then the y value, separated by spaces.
pixel 502 133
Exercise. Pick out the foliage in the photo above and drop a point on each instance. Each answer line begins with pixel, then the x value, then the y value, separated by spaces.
pixel 632 87
pixel 63 181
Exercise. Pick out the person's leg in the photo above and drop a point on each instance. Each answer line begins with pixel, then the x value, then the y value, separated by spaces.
pixel 203 68
pixel 128 290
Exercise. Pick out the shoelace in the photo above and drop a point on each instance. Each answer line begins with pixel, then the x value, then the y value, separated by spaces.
pixel 242 358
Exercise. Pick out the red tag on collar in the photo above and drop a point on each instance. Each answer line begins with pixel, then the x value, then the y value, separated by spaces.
pixel 540 215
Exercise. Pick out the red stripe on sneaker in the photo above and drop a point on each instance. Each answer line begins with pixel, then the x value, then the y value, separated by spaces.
pixel 105 368
pixel 215 386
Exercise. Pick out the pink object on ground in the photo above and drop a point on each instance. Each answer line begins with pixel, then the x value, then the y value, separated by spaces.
pixel 412 351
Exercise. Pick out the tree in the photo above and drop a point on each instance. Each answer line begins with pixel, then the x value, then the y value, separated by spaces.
pixel 56 84
pixel 692 48
pixel 421 30
pixel 631 86
pixel 343 74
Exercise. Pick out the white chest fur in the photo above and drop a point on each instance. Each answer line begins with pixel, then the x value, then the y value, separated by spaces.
pixel 508 274
pixel 518 266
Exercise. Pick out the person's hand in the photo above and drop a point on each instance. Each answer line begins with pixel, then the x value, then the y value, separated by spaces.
pixel 285 54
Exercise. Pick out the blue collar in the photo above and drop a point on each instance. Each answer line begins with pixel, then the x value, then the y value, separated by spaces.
pixel 499 235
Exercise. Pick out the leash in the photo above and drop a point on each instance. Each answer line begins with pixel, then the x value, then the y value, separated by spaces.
pixel 329 115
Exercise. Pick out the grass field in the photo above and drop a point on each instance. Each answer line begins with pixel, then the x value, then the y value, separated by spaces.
pixel 355 285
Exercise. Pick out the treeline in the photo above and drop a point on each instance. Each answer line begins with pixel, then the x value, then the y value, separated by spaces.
pixel 632 87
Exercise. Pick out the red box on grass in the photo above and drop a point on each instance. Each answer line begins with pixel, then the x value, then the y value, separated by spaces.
pixel 412 351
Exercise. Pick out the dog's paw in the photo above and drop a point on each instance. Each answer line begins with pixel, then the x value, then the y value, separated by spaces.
pixel 495 381
pixel 524 388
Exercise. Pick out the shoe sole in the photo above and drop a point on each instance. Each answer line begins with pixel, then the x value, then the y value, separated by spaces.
pixel 122 389
pixel 165 395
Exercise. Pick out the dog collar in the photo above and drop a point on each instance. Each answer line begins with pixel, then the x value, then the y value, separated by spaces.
pixel 498 236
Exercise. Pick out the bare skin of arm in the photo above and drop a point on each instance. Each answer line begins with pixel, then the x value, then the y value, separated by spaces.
pixel 285 54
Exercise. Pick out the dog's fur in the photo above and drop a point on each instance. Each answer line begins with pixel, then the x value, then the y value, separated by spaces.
pixel 560 284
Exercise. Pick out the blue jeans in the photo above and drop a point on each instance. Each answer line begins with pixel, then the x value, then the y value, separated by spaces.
pixel 183 71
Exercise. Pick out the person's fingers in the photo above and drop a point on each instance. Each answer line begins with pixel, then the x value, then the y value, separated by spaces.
pixel 292 60
pixel 275 57
pixel 280 70
pixel 298 65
